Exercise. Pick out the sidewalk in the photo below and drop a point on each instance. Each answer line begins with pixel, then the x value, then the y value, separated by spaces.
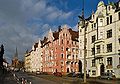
pixel 7 78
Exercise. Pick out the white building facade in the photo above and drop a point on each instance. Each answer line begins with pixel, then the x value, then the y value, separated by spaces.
pixel 36 57
pixel 33 60
pixel 103 40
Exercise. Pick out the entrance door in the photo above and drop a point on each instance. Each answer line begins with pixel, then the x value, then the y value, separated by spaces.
pixel 80 66
pixel 101 69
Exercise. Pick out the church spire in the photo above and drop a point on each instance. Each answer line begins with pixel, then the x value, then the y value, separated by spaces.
pixel 16 53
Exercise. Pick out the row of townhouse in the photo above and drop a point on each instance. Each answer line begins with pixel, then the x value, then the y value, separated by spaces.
pixel 33 59
pixel 103 40
pixel 57 52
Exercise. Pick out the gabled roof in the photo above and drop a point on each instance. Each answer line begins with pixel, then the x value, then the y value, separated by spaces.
pixel 56 35
pixel 74 34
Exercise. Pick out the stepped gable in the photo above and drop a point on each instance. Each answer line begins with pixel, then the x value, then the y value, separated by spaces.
pixel 44 41
pixel 35 46
pixel 74 34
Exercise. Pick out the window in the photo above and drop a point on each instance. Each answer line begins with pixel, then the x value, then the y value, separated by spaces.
pixel 73 57
pixel 94 25
pixel 67 42
pixel 107 20
pixel 119 15
pixel 93 63
pixel 80 30
pixel 93 51
pixel 110 19
pixel 93 16
pixel 93 72
pixel 109 60
pixel 109 8
pixel 109 47
pixel 118 52
pixel 98 48
pixel 62 49
pixel 63 34
pixel 101 20
pixel 109 33
pixel 93 38
pixel 62 41
pixel 62 56
pixel 76 56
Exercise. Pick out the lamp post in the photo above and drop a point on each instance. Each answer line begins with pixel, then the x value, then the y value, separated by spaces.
pixel 84 25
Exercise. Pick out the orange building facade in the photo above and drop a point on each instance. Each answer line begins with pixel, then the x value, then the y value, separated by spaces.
pixel 60 51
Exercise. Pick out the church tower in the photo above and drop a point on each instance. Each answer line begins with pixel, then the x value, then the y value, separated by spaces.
pixel 15 61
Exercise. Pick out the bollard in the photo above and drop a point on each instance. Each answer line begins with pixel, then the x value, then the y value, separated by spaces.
pixel 14 75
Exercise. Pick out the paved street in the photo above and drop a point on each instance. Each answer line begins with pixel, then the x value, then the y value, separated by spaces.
pixel 33 79
pixel 7 78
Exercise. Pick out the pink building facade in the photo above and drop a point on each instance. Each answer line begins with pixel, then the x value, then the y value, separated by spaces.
pixel 60 51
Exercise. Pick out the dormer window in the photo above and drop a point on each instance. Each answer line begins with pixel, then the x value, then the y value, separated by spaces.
pixel 109 8
pixel 93 16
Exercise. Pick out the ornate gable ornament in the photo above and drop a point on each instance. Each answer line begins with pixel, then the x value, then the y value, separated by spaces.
pixel 101 3
pixel 50 36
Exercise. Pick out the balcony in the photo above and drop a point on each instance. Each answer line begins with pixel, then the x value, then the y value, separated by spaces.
pixel 109 67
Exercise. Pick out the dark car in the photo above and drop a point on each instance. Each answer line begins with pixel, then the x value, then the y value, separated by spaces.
pixel 72 74
pixel 57 74
pixel 81 75
pixel 107 75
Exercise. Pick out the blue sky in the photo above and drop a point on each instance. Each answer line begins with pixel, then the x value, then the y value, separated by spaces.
pixel 23 22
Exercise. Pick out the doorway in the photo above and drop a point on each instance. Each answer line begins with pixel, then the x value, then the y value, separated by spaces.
pixel 102 69
pixel 80 66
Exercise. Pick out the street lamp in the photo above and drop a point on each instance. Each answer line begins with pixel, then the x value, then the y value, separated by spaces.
pixel 84 25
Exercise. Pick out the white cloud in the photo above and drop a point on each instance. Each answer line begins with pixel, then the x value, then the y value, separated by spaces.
pixel 14 18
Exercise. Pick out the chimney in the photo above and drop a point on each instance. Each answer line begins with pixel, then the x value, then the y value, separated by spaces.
pixel 59 28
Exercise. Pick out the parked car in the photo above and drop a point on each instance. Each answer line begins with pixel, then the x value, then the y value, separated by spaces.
pixel 37 72
pixel 57 74
pixel 107 75
pixel 16 69
pixel 81 75
pixel 72 74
